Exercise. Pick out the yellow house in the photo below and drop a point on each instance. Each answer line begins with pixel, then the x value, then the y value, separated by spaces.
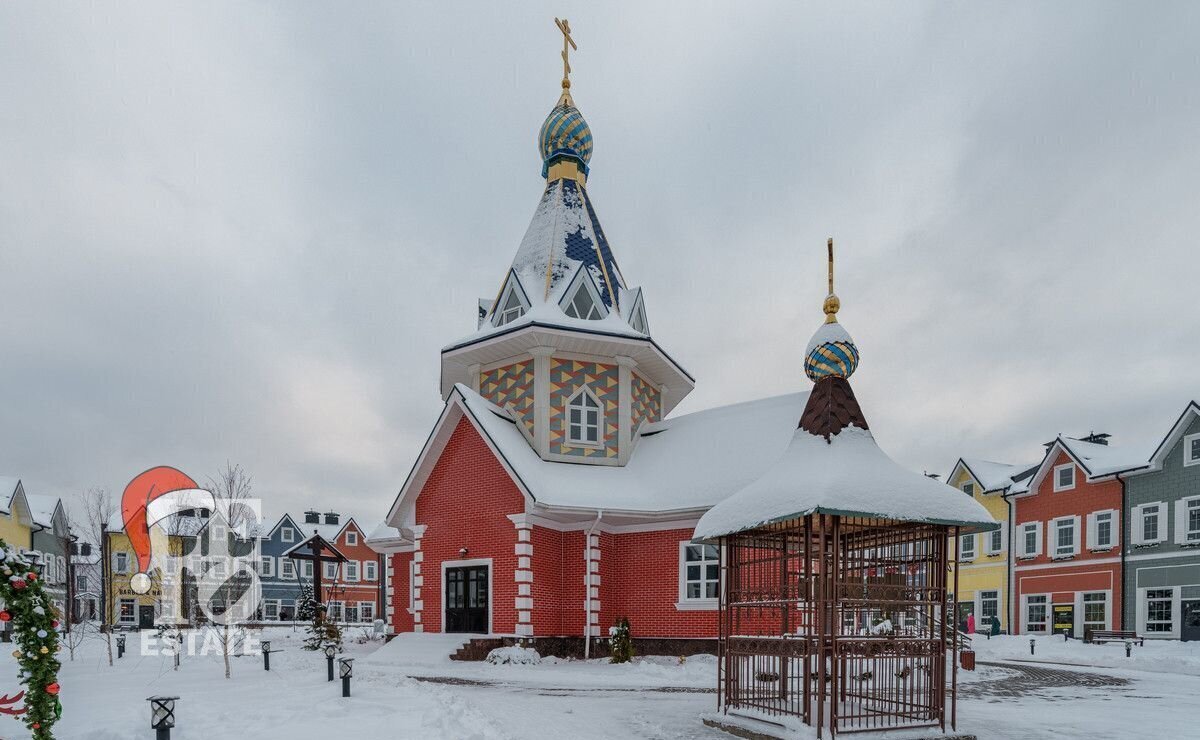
pixel 167 599
pixel 983 577
pixel 16 521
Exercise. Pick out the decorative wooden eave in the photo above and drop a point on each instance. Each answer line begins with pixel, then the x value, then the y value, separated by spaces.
pixel 323 548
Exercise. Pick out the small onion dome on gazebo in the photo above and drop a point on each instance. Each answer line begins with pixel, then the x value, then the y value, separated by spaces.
pixel 833 465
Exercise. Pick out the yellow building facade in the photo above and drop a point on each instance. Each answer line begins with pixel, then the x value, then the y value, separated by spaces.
pixel 983 569
pixel 16 522
pixel 127 608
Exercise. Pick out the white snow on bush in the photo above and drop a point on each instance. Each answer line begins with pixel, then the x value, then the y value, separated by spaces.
pixel 514 655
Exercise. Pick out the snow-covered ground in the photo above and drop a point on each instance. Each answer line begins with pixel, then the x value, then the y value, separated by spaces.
pixel 650 698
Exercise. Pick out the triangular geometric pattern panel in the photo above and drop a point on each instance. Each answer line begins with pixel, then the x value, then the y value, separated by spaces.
pixel 567 377
pixel 511 384
pixel 647 406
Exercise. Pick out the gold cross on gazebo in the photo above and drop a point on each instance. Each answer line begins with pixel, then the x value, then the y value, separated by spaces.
pixel 568 43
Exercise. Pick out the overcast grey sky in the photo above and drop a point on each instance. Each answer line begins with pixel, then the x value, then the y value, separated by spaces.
pixel 242 231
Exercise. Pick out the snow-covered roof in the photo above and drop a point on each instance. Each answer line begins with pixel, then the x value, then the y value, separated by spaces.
pixel 42 508
pixel 848 475
pixel 992 476
pixel 8 486
pixel 563 247
pixel 685 463
pixel 1190 412
pixel 1099 460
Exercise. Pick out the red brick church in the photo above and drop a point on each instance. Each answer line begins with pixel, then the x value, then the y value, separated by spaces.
pixel 556 493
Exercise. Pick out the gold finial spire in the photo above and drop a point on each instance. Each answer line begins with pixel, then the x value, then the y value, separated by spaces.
pixel 832 304
pixel 568 43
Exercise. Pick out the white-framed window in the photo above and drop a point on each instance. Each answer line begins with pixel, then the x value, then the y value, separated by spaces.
pixel 1160 611
pixel 128 611
pixel 266 567
pixel 968 488
pixel 1037 612
pixel 699 572
pixel 62 569
pixel 1095 611
pixel 1064 477
pixel 287 569
pixel 271 609
pixel 1187 521
pixel 351 571
pixel 583 305
pixel 989 606
pixel 351 614
pixel 81 583
pixel 511 305
pixel 330 570
pixel 1031 539
pixel 287 534
pixel 638 322
pixel 366 611
pixel 50 569
pixel 1102 530
pixel 335 612
pixel 1149 523
pixel 370 570
pixel 121 562
pixel 1191 449
pixel 307 569
pixel 1064 532
pixel 993 542
pixel 583 418
pixel 966 547
pixel 352 538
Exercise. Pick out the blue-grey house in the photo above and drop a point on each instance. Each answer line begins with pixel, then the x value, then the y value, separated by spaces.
pixel 1162 536
pixel 281 584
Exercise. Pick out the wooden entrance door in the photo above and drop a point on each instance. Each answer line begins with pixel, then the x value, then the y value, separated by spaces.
pixel 1190 628
pixel 467 599
pixel 145 617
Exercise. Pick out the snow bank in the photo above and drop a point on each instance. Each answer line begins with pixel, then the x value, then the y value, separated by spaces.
pixel 1157 656
pixel 514 655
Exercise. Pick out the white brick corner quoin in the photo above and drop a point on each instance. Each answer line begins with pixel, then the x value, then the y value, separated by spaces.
pixel 523 576
pixel 417 578
pixel 591 584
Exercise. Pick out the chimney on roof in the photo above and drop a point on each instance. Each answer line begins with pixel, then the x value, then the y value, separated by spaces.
pixel 312 517
pixel 1096 438
pixel 331 517
pixel 85 549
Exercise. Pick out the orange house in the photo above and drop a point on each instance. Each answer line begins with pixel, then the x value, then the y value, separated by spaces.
pixel 1066 544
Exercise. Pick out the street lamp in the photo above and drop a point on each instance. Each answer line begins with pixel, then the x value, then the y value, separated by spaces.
pixel 266 650
pixel 346 670
pixel 330 651
pixel 1128 648
pixel 1032 642
pixel 121 645
pixel 162 716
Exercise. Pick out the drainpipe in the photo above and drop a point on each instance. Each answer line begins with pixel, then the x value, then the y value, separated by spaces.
pixel 1124 549
pixel 587 587
pixel 1008 562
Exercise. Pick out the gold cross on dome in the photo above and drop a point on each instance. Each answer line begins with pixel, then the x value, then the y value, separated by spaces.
pixel 565 26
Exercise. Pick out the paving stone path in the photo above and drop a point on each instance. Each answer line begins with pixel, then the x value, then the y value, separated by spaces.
pixel 1023 679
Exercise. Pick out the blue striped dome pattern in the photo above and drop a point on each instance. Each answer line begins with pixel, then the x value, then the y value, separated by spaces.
pixel 831 359
pixel 565 133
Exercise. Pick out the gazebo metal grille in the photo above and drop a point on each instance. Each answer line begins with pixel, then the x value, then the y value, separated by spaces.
pixel 838 621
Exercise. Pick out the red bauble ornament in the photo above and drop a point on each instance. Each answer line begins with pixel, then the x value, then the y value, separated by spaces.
pixel 52 689
pixel 37 725
pixel 19 585
pixel 5 616
pixel 31 576
pixel 54 623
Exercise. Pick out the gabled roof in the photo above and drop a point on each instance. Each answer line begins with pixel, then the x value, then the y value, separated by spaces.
pixel 43 509
pixel 1097 461
pixel 8 489
pixel 991 476
pixel 683 464
pixel 1190 413
pixel 284 518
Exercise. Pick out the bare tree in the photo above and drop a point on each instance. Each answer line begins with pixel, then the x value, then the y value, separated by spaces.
pixel 98 511
pixel 232 488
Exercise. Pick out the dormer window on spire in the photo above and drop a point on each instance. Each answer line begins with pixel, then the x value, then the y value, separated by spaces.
pixel 638 322
pixel 512 309
pixel 583 306
pixel 512 304
pixel 582 298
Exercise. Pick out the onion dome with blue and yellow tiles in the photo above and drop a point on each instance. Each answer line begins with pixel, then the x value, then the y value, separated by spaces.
pixel 565 136
pixel 831 352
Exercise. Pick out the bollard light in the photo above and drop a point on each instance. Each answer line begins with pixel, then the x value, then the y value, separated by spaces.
pixel 1032 642
pixel 330 651
pixel 1128 648
pixel 121 646
pixel 266 650
pixel 162 715
pixel 346 670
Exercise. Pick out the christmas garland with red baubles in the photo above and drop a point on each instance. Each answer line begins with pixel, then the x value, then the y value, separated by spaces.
pixel 34 624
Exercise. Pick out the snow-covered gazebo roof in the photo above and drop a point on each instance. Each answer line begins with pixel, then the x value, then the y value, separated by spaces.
pixel 833 465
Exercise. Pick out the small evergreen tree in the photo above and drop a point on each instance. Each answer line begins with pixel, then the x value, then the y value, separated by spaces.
pixel 321 631
pixel 622 641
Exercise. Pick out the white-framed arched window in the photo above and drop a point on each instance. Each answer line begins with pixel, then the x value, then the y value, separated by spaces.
pixel 583 418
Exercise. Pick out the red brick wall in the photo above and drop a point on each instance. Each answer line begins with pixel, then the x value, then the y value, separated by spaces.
pixel 362 590
pixel 642 583
pixel 402 620
pixel 465 503
pixel 548 580
pixel 1081 573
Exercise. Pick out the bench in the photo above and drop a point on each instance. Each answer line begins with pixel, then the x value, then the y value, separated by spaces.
pixel 1099 637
